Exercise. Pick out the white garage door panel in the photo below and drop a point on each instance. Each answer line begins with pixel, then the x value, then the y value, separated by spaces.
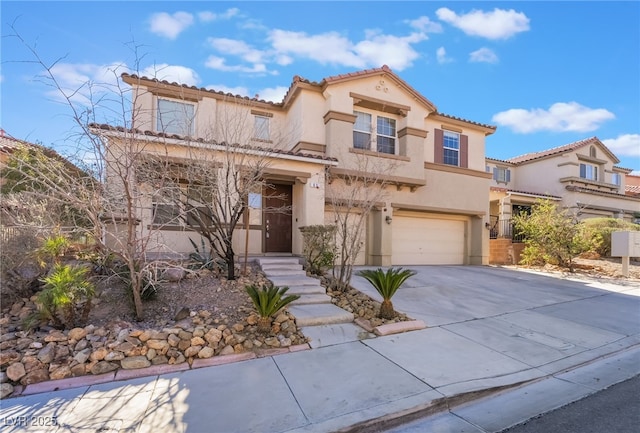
pixel 427 241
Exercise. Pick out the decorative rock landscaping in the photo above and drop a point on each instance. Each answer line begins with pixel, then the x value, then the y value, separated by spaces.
pixel 30 357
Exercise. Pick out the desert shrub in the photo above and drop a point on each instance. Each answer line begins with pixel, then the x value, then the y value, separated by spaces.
pixel 552 235
pixel 597 232
pixel 268 301
pixel 66 297
pixel 318 248
pixel 386 284
pixel 53 248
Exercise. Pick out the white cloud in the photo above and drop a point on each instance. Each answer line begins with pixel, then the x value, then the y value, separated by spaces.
pixel 220 64
pixel 170 26
pixel 561 116
pixel 625 144
pixel 441 55
pixel 325 48
pixel 172 73
pixel 332 48
pixel 208 16
pixel 84 82
pixel 237 48
pixel 274 94
pixel 1 78
pixel 483 55
pixel 498 24
pixel 424 24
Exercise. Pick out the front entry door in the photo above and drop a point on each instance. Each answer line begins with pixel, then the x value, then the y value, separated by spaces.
pixel 277 219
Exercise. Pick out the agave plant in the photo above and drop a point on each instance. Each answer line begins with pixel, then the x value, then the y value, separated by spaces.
pixel 386 284
pixel 268 301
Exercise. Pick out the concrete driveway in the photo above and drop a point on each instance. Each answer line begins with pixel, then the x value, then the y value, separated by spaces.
pixel 507 320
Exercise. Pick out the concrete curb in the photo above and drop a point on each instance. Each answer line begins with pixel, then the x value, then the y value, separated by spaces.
pixel 392 420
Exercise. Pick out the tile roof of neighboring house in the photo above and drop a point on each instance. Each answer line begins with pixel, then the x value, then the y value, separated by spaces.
pixel 562 149
pixel 104 127
pixel 515 191
pixel 498 160
pixel 577 188
pixel 632 190
pixel 321 84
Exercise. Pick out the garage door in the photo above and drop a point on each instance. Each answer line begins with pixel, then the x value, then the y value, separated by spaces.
pixel 427 241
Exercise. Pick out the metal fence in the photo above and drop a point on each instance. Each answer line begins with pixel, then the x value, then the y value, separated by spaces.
pixel 504 229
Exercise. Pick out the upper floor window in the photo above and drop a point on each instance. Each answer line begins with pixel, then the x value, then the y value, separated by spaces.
pixel 362 131
pixel 588 171
pixel 385 134
pixel 501 174
pixel 175 117
pixel 451 145
pixel 261 128
pixel 616 179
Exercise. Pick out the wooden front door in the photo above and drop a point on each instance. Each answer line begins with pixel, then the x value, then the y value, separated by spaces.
pixel 277 219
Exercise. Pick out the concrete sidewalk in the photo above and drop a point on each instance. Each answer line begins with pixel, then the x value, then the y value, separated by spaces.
pixel 490 330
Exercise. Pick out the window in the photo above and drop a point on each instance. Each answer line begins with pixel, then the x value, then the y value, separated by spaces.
pixel 588 171
pixel 501 174
pixel 175 117
pixel 362 131
pixel 166 214
pixel 166 208
pixel 616 179
pixel 386 135
pixel 451 145
pixel 261 128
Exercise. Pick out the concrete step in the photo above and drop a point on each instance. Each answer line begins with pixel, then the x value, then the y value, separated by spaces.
pixel 284 272
pixel 307 290
pixel 278 260
pixel 294 280
pixel 319 314
pixel 315 298
pixel 280 266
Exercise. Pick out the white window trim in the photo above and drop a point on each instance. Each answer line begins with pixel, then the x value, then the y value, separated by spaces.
pixel 167 129
pixel 444 146
pixel 262 132
pixel 373 132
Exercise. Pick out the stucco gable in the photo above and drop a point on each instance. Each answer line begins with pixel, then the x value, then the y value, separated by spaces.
pixel 384 73
pixel 564 149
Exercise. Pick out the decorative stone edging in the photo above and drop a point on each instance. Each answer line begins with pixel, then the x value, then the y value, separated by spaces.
pixel 154 370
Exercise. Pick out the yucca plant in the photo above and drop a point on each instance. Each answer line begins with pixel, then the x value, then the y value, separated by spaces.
pixel 386 284
pixel 268 301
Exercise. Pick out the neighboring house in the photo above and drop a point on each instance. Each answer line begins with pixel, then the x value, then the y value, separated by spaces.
pixel 632 185
pixel 436 210
pixel 581 176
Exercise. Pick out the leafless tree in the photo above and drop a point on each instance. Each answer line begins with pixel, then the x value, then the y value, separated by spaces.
pixel 353 194
pixel 212 181
pixel 105 192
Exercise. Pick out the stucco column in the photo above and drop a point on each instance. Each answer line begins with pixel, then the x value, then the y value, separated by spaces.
pixel 505 215
pixel 479 242
pixel 380 237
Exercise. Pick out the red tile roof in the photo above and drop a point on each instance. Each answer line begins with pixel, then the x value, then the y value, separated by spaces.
pixel 562 149
pixel 515 191
pixel 321 84
pixel 104 127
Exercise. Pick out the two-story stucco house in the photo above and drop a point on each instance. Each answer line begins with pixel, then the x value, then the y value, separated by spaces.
pixel 581 176
pixel 436 205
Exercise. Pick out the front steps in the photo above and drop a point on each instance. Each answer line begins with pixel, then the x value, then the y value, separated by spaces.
pixel 314 308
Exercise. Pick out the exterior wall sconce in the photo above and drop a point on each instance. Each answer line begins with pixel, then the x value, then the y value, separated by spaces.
pixel 388 219
pixel 487 226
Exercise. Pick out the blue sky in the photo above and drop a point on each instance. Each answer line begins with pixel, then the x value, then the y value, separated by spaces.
pixel 546 73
